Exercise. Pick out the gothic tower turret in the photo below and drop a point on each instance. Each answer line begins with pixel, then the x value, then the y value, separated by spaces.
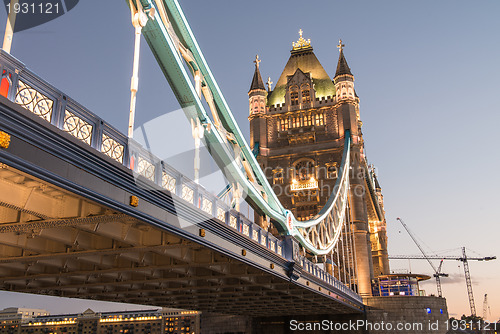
pixel 345 95
pixel 348 119
pixel 257 96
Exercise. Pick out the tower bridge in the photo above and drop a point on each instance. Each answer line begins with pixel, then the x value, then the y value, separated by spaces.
pixel 87 212
pixel 79 221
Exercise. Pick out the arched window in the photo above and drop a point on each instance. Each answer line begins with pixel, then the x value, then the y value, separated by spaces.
pixel 306 93
pixel 331 170
pixel 304 169
pixel 319 119
pixel 283 124
pixel 307 120
pixel 294 95
pixel 344 90
pixel 278 176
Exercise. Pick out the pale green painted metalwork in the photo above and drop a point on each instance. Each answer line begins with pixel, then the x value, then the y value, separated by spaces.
pixel 173 44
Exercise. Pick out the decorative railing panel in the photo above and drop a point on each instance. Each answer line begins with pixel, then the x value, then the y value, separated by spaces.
pixel 207 206
pixel 77 127
pixel 221 214
pixel 168 182
pixel 146 169
pixel 233 222
pixel 112 148
pixel 34 101
pixel 187 194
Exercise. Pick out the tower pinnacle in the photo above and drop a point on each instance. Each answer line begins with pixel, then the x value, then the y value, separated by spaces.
pixel 257 82
pixel 342 67
pixel 257 61
pixel 301 43
pixel 340 46
pixel 269 83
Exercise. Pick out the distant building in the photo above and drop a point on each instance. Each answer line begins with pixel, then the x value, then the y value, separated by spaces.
pixel 89 322
pixel 399 285
pixel 11 318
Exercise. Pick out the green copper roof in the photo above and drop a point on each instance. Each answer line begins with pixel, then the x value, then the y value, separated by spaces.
pixel 306 61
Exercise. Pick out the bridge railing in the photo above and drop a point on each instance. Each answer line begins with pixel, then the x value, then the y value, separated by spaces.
pixel 25 88
pixel 316 271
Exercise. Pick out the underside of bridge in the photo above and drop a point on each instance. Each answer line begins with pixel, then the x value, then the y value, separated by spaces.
pixel 53 242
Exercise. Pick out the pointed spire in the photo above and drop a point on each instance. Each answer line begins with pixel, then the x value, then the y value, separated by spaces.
pixel 342 67
pixel 257 82
pixel 269 84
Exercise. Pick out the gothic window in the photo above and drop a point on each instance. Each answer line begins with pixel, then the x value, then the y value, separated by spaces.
pixel 296 122
pixel 283 124
pixel 319 119
pixel 331 171
pixel 294 96
pixel 306 94
pixel 344 90
pixel 256 106
pixel 307 120
pixel 278 176
pixel 304 169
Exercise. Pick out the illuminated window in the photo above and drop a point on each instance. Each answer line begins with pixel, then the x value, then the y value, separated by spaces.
pixel 319 119
pixel 331 171
pixel 308 120
pixel 278 176
pixel 306 94
pixel 283 124
pixel 304 169
pixel 294 96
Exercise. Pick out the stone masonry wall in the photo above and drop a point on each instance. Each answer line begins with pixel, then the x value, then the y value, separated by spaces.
pixel 429 312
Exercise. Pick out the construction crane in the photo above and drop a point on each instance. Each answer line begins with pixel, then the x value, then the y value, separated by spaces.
pixel 437 272
pixel 486 307
pixel 469 283
pixel 464 258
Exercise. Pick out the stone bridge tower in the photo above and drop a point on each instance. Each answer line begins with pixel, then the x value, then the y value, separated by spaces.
pixel 297 133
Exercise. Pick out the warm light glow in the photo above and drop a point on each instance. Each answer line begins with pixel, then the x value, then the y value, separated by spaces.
pixel 310 184
pixel 301 43
pixel 129 319
pixel 52 323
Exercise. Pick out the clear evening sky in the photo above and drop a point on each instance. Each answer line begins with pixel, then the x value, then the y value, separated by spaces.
pixel 427 74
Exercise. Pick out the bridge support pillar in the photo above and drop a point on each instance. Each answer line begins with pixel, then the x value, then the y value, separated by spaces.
pixel 359 220
pixel 292 254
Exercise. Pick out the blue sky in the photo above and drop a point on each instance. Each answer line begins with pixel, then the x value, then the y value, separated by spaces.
pixel 426 73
